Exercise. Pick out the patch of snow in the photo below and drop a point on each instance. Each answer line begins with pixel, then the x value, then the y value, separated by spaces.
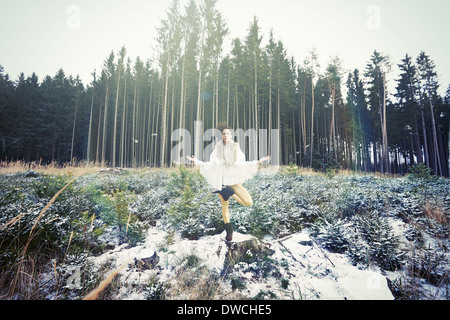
pixel 321 275
pixel 311 272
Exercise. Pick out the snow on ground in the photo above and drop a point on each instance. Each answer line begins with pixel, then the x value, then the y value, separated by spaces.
pixel 323 275
pixel 311 272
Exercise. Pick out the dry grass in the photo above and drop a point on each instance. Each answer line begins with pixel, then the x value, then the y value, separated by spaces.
pixel 20 271
pixel 76 169
pixel 197 283
pixel 94 294
pixel 436 212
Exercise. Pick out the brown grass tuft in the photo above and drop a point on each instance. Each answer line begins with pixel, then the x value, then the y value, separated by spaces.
pixel 93 295
pixel 30 236
pixel 76 169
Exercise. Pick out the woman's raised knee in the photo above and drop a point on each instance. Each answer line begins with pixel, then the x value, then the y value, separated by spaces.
pixel 248 202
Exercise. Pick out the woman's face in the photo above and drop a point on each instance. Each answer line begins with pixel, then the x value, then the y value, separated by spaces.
pixel 226 136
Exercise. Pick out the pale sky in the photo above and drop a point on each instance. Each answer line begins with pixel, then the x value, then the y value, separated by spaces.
pixel 42 36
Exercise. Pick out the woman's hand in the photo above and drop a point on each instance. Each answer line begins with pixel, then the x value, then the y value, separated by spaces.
pixel 263 159
pixel 193 158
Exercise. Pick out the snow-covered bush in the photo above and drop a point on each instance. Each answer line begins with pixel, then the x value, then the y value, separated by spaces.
pixel 381 243
pixel 367 239
pixel 332 233
pixel 280 206
pixel 152 204
pixel 193 211
pixel 24 220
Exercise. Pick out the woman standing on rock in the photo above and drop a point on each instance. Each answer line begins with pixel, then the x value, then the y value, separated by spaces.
pixel 226 171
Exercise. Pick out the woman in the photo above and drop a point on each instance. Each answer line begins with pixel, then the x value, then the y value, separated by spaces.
pixel 226 171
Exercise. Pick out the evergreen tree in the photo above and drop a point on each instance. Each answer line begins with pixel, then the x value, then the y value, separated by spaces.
pixel 252 45
pixel 428 93
pixel 362 126
pixel 6 110
pixel 312 66
pixel 376 70
pixel 406 110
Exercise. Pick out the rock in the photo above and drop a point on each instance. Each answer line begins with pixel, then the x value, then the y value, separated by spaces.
pixel 248 251
pixel 147 261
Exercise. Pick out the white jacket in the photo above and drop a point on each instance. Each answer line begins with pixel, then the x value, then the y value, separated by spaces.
pixel 227 166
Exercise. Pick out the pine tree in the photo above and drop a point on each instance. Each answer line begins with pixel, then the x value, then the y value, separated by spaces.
pixel 78 92
pixel 107 76
pixel 408 107
pixel 376 70
pixel 189 29
pixel 169 41
pixel 312 65
pixel 333 74
pixel 119 75
pixel 6 110
pixel 89 141
pixel 429 86
pixel 357 103
pixel 253 42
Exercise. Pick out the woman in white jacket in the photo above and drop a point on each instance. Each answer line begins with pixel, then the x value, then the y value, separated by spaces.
pixel 225 173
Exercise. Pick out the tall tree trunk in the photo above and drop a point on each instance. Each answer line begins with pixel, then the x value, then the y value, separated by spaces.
pixel 385 139
pixel 172 116
pixel 149 126
pixel 164 116
pixel 448 150
pixel 416 133
pixel 122 133
pixel 237 107
pixel 303 115
pixel 89 147
pixel 279 118
pixel 217 95
pixel 97 155
pixel 269 127
pixel 198 144
pixel 115 119
pixel 437 159
pixel 105 121
pixel 182 110
pixel 198 124
pixel 256 105
pixel 73 129
pixel 228 94
pixel 425 140
pixel 311 143
pixel 332 126
pixel 133 128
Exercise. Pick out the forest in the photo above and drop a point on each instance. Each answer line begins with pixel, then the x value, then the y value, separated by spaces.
pixel 327 118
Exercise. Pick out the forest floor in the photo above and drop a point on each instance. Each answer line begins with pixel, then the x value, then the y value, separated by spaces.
pixel 138 234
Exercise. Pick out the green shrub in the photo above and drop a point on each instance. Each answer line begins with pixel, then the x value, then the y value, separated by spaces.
pixel 421 172
pixel 381 245
pixel 193 210
pixel 46 186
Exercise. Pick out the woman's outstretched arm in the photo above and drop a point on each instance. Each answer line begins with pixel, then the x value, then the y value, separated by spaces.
pixel 264 159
